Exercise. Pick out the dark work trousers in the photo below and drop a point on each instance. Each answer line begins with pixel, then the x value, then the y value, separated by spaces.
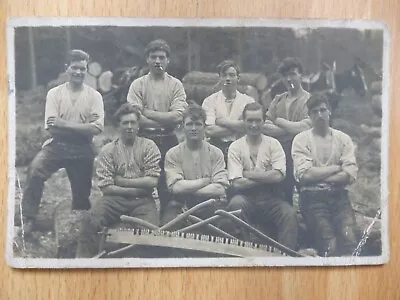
pixel 164 142
pixel 330 219
pixel 267 208
pixel 107 211
pixel 289 182
pixel 77 161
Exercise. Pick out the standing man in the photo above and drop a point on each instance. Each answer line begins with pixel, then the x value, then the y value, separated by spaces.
pixel 195 169
pixel 324 165
pixel 128 170
pixel 287 116
pixel 224 108
pixel 256 166
pixel 74 113
pixel 161 99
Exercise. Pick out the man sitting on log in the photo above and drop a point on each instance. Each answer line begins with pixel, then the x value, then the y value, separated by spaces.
pixel 195 170
pixel 324 164
pixel 287 116
pixel 162 99
pixel 128 170
pixel 256 166
pixel 74 113
pixel 224 108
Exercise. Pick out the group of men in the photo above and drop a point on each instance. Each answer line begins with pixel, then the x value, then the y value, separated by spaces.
pixel 233 151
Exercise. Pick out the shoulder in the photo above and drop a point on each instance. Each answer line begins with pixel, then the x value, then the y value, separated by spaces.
pixel 215 151
pixel 245 98
pixel 139 81
pixel 210 100
pixel 341 135
pixel 173 80
pixel 238 144
pixel 173 153
pixel 147 143
pixel 273 142
pixel 55 90
pixel 302 137
pixel 92 92
pixel 108 149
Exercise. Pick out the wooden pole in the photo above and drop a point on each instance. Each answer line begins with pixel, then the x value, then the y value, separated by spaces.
pixel 31 42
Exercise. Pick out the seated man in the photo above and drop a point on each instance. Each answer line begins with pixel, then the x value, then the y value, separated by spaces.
pixel 195 169
pixel 324 164
pixel 256 166
pixel 224 108
pixel 128 170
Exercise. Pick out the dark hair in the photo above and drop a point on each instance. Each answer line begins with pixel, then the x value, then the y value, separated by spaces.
pixel 126 109
pixel 317 99
pixel 289 64
pixel 195 112
pixel 254 106
pixel 157 45
pixel 225 65
pixel 76 55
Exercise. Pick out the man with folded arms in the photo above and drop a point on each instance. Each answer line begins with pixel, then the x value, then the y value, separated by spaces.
pixel 127 170
pixel 256 166
pixel 324 165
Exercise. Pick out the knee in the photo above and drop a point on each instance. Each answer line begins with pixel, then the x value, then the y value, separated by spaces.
pixel 288 215
pixel 237 202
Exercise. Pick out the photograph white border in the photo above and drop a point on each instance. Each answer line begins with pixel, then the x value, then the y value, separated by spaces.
pixel 17 262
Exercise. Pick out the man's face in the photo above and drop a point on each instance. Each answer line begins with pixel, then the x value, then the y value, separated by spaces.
pixel 129 126
pixel 253 121
pixel 158 61
pixel 320 115
pixel 194 129
pixel 230 78
pixel 76 71
pixel 292 80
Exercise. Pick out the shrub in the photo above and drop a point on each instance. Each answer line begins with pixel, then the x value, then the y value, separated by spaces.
pixel 29 140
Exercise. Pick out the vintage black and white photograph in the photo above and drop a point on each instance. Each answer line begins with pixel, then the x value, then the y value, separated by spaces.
pixel 197 142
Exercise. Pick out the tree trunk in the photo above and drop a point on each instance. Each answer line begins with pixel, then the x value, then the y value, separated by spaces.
pixel 32 57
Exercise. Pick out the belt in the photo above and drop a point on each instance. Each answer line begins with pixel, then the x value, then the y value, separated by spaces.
pixel 320 187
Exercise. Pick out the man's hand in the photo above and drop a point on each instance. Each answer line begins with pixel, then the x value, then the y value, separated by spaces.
pixel 93 117
pixel 147 112
pixel 56 122
pixel 279 121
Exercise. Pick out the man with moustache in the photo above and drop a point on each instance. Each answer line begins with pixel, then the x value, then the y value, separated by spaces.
pixel 224 108
pixel 74 113
pixel 162 99
pixel 324 165
pixel 287 116
pixel 256 167
pixel 127 170
pixel 195 170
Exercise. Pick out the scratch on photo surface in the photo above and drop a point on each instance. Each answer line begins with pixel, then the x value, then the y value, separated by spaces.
pixel 366 234
pixel 20 193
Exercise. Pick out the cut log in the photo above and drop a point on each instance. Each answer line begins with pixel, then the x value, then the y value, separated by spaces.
pixel 198 92
pixel 201 78
pixel 259 81
pixel 105 81
pixel 376 88
pixel 91 81
pixel 94 69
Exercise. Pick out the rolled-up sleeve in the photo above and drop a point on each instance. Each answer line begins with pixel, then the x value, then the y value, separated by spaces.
pixel 302 158
pixel 51 107
pixel 278 158
pixel 152 160
pixel 348 158
pixel 235 166
pixel 98 109
pixel 219 173
pixel 209 110
pixel 173 167
pixel 178 102
pixel 105 169
pixel 135 93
